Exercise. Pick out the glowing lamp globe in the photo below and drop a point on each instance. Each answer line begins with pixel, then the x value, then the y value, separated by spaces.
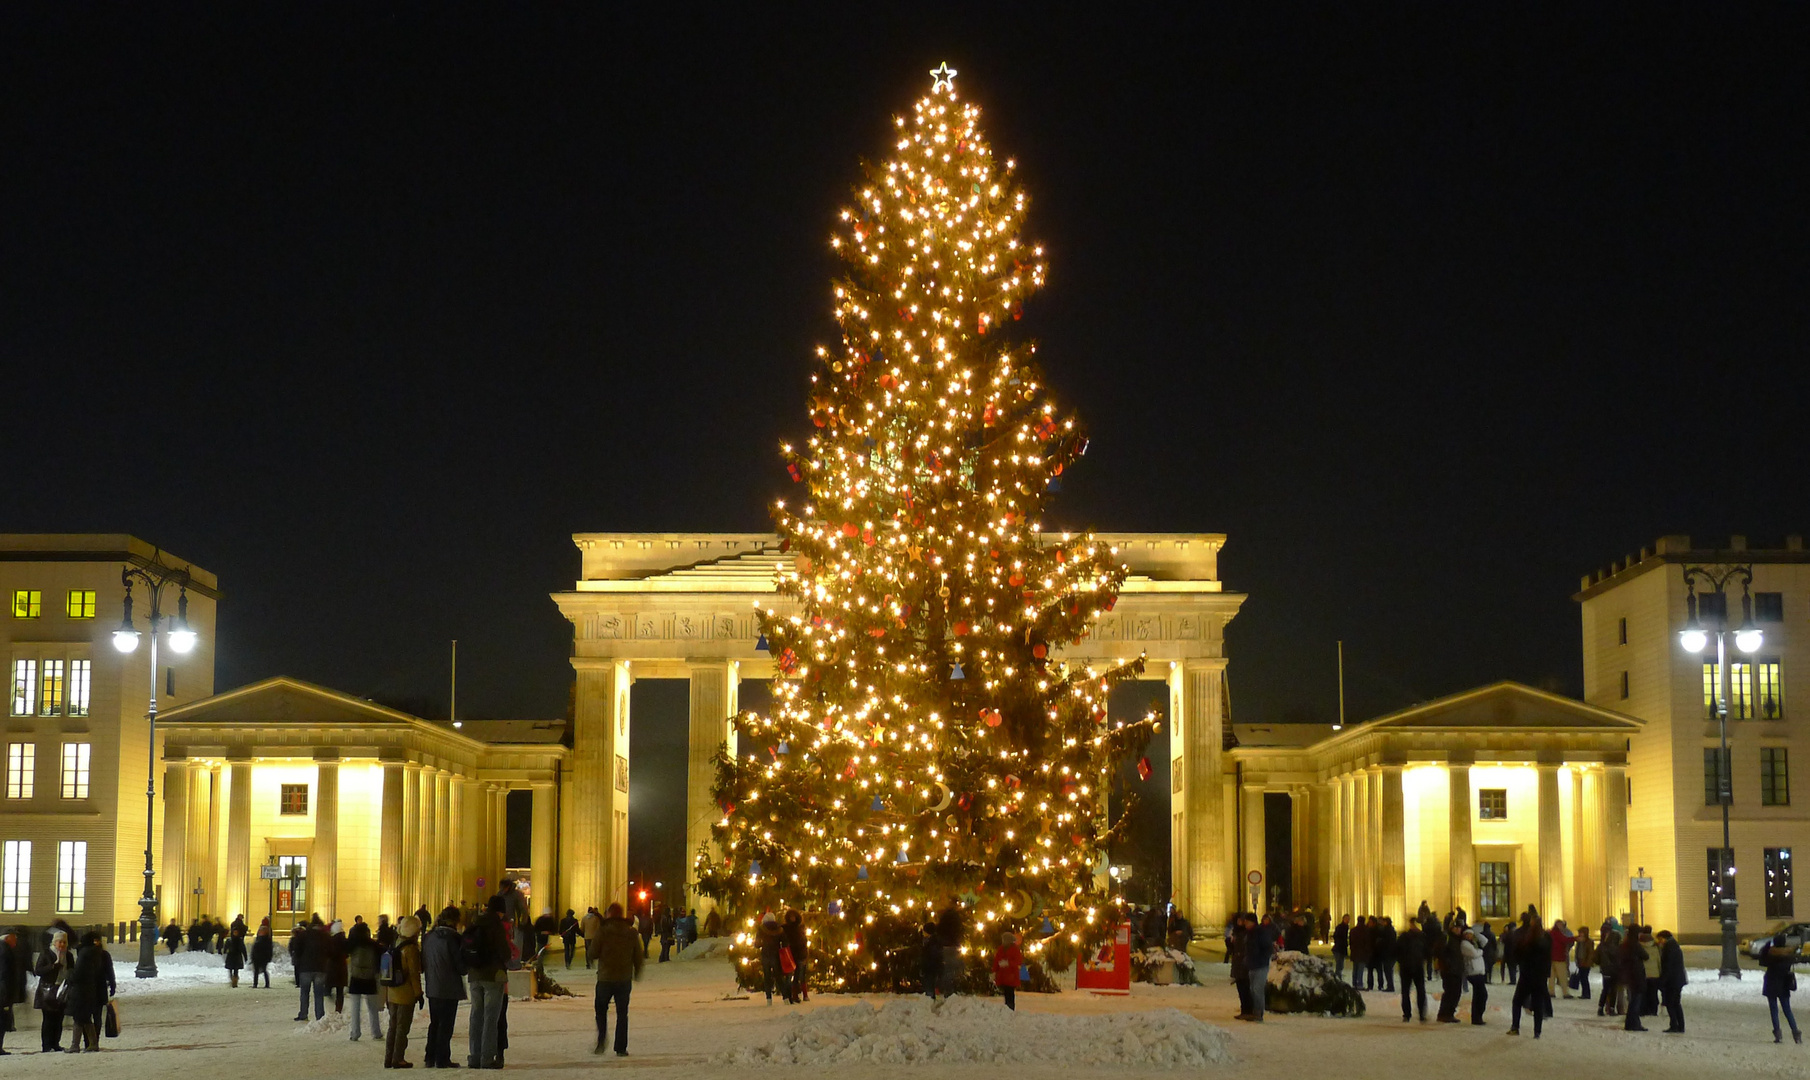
pixel 1748 639
pixel 125 639
pixel 1693 639
pixel 182 639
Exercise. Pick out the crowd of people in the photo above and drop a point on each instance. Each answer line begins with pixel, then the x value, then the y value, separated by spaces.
pixel 1638 971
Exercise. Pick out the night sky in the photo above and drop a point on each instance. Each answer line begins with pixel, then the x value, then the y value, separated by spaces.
pixel 368 308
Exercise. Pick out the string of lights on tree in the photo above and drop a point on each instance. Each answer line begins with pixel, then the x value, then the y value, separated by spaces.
pixel 925 742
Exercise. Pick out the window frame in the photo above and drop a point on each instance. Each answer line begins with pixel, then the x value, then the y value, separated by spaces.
pixel 1720 860
pixel 72 877
pixel 1769 688
pixel 1777 879
pixel 28 603
pixel 21 771
pixel 53 685
pixel 1487 812
pixel 1769 607
pixel 78 762
pixel 15 876
pixel 78 696
pixel 25 686
pixel 284 791
pixel 1775 776
pixel 1623 631
pixel 1487 890
pixel 79 604
pixel 1712 782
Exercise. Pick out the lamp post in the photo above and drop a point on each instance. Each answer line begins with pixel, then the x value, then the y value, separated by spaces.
pixel 155 576
pixel 1695 639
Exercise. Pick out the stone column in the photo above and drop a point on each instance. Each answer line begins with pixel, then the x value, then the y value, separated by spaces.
pixel 540 862
pixel 458 863
pixel 1615 837
pixel 1363 862
pixel 1394 858
pixel 430 842
pixel 390 853
pixel 1375 837
pixel 499 834
pixel 236 888
pixel 194 866
pixel 1300 853
pixel 713 702
pixel 411 836
pixel 1461 859
pixel 1348 859
pixel 1255 855
pixel 216 805
pixel 483 837
pixel 176 842
pixel 323 856
pixel 1551 853
pixel 442 876
pixel 599 870
pixel 1204 889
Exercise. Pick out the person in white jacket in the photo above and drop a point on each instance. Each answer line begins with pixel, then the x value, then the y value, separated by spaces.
pixel 1477 974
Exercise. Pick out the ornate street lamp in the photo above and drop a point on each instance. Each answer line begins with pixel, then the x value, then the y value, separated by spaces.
pixel 182 639
pixel 1695 638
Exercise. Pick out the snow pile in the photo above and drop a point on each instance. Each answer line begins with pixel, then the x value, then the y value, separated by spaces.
pixel 706 949
pixel 981 1031
pixel 175 971
pixel 1303 983
pixel 333 1023
pixel 1704 985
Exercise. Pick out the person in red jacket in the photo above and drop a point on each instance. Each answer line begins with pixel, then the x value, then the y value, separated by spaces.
pixel 1007 960
pixel 1560 979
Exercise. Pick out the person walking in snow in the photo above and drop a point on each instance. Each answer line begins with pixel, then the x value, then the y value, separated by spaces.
pixel 1452 972
pixel 90 987
pixel 1632 974
pixel 1382 953
pixel 950 929
pixel 1259 949
pixel 1360 953
pixel 1411 951
pixel 1341 947
pixel 1241 981
pixel 588 928
pixel 263 950
pixel 1560 979
pixel 1584 955
pixel 620 957
pixel 769 939
pixel 1008 959
pixel 568 935
pixel 443 981
pixel 1608 960
pixel 1533 969
pixel 796 943
pixel 486 950
pixel 401 991
pixel 930 960
pixel 1672 980
pixel 1778 984
pixel 363 962
pixel 233 954
pixel 52 993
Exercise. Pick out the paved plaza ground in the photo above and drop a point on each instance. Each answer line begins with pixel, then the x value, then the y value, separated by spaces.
pixel 685 1024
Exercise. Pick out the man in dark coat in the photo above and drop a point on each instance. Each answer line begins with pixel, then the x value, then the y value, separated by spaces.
pixel 1608 963
pixel 1382 954
pixel 90 985
pixel 443 982
pixel 619 963
pixel 1451 974
pixel 1361 971
pixel 1631 973
pixel 1671 981
pixel 1411 952
pixel 13 962
pixel 308 949
pixel 1341 946
pixel 1533 967
pixel 1259 949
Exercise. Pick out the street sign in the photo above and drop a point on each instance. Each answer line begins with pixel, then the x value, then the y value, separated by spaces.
pixel 268 872
pixel 1255 877
pixel 1640 884
pixel 480 883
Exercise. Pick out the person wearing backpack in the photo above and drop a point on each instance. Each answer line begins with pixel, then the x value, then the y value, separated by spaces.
pixel 485 952
pixel 619 960
pixel 400 973
pixel 363 958
pixel 443 978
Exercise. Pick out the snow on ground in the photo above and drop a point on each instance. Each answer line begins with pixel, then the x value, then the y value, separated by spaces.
pixel 983 1031
pixel 686 1022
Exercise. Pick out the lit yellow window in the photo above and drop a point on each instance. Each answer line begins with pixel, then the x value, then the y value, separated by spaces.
pixel 72 876
pixel 75 769
pixel 27 603
pixel 81 603
pixel 50 689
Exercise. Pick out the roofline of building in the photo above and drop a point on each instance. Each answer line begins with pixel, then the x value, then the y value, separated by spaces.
pixel 102 548
pixel 1677 549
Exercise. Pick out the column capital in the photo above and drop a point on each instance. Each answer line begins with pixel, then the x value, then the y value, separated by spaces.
pixel 412 766
pixel 1544 765
pixel 541 785
pixel 326 755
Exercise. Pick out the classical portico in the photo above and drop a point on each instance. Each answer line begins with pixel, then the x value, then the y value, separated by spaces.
pixel 682 605
pixel 1489 800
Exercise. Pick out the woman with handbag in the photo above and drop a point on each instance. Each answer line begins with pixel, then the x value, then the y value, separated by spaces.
pixel 53 987
pixel 90 987
pixel 1780 981
pixel 792 952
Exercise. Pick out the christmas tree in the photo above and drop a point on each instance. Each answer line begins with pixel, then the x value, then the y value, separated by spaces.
pixel 926 743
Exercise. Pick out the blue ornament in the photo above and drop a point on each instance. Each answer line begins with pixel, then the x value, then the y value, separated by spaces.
pixel 902 860
pixel 754 868
pixel 870 442
pixel 860 873
pixel 785 747
pixel 760 644
pixel 835 907
pixel 957 673
pixel 1048 927
pixel 878 805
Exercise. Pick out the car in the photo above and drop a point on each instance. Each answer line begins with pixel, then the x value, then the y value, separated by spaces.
pixel 1796 933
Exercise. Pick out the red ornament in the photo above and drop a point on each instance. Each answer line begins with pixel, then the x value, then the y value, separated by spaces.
pixel 1143 768
pixel 966 800
pixel 867 537
pixel 849 528
pixel 987 415
pixel 1013 782
pixel 1040 650
pixel 792 467
pixel 1015 580
pixel 961 629
pixel 991 717
pixel 876 631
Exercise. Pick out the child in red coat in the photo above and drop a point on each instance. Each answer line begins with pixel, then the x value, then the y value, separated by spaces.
pixel 1007 960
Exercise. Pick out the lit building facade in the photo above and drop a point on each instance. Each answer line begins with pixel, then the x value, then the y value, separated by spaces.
pixel 1633 662
pixel 76 738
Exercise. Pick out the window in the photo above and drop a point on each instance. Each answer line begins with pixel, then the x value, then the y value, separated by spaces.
pixel 1769 606
pixel 1492 804
pixel 1721 878
pixel 72 876
pixel 1740 689
pixel 1623 631
pixel 1493 899
pixel 1712 777
pixel 1778 883
pixel 75 770
pixel 15 875
pixel 1775 777
pixel 1624 686
pixel 1769 689
pixel 292 885
pixel 21 764
pixel 294 799
pixel 80 679
pixel 27 603
pixel 50 689
pixel 80 604
pixel 25 687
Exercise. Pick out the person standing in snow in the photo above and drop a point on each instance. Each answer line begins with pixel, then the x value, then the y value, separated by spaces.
pixel 1608 960
pixel 401 991
pixel 1360 954
pixel 1382 953
pixel 1672 980
pixel 1584 955
pixel 950 931
pixel 1778 984
pixel 619 963
pixel 796 943
pixel 1008 959
pixel 363 962
pixel 233 953
pixel 263 950
pixel 1560 979
pixel 308 950
pixel 589 927
pixel 90 987
pixel 930 959
pixel 486 952
pixel 568 936
pixel 1411 953
pixel 1632 974
pixel 769 939
pixel 1259 949
pixel 1341 947
pixel 336 964
pixel 1241 975
pixel 443 981
pixel 1452 972
pixel 1533 968
pixel 1476 971
pixel 53 975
